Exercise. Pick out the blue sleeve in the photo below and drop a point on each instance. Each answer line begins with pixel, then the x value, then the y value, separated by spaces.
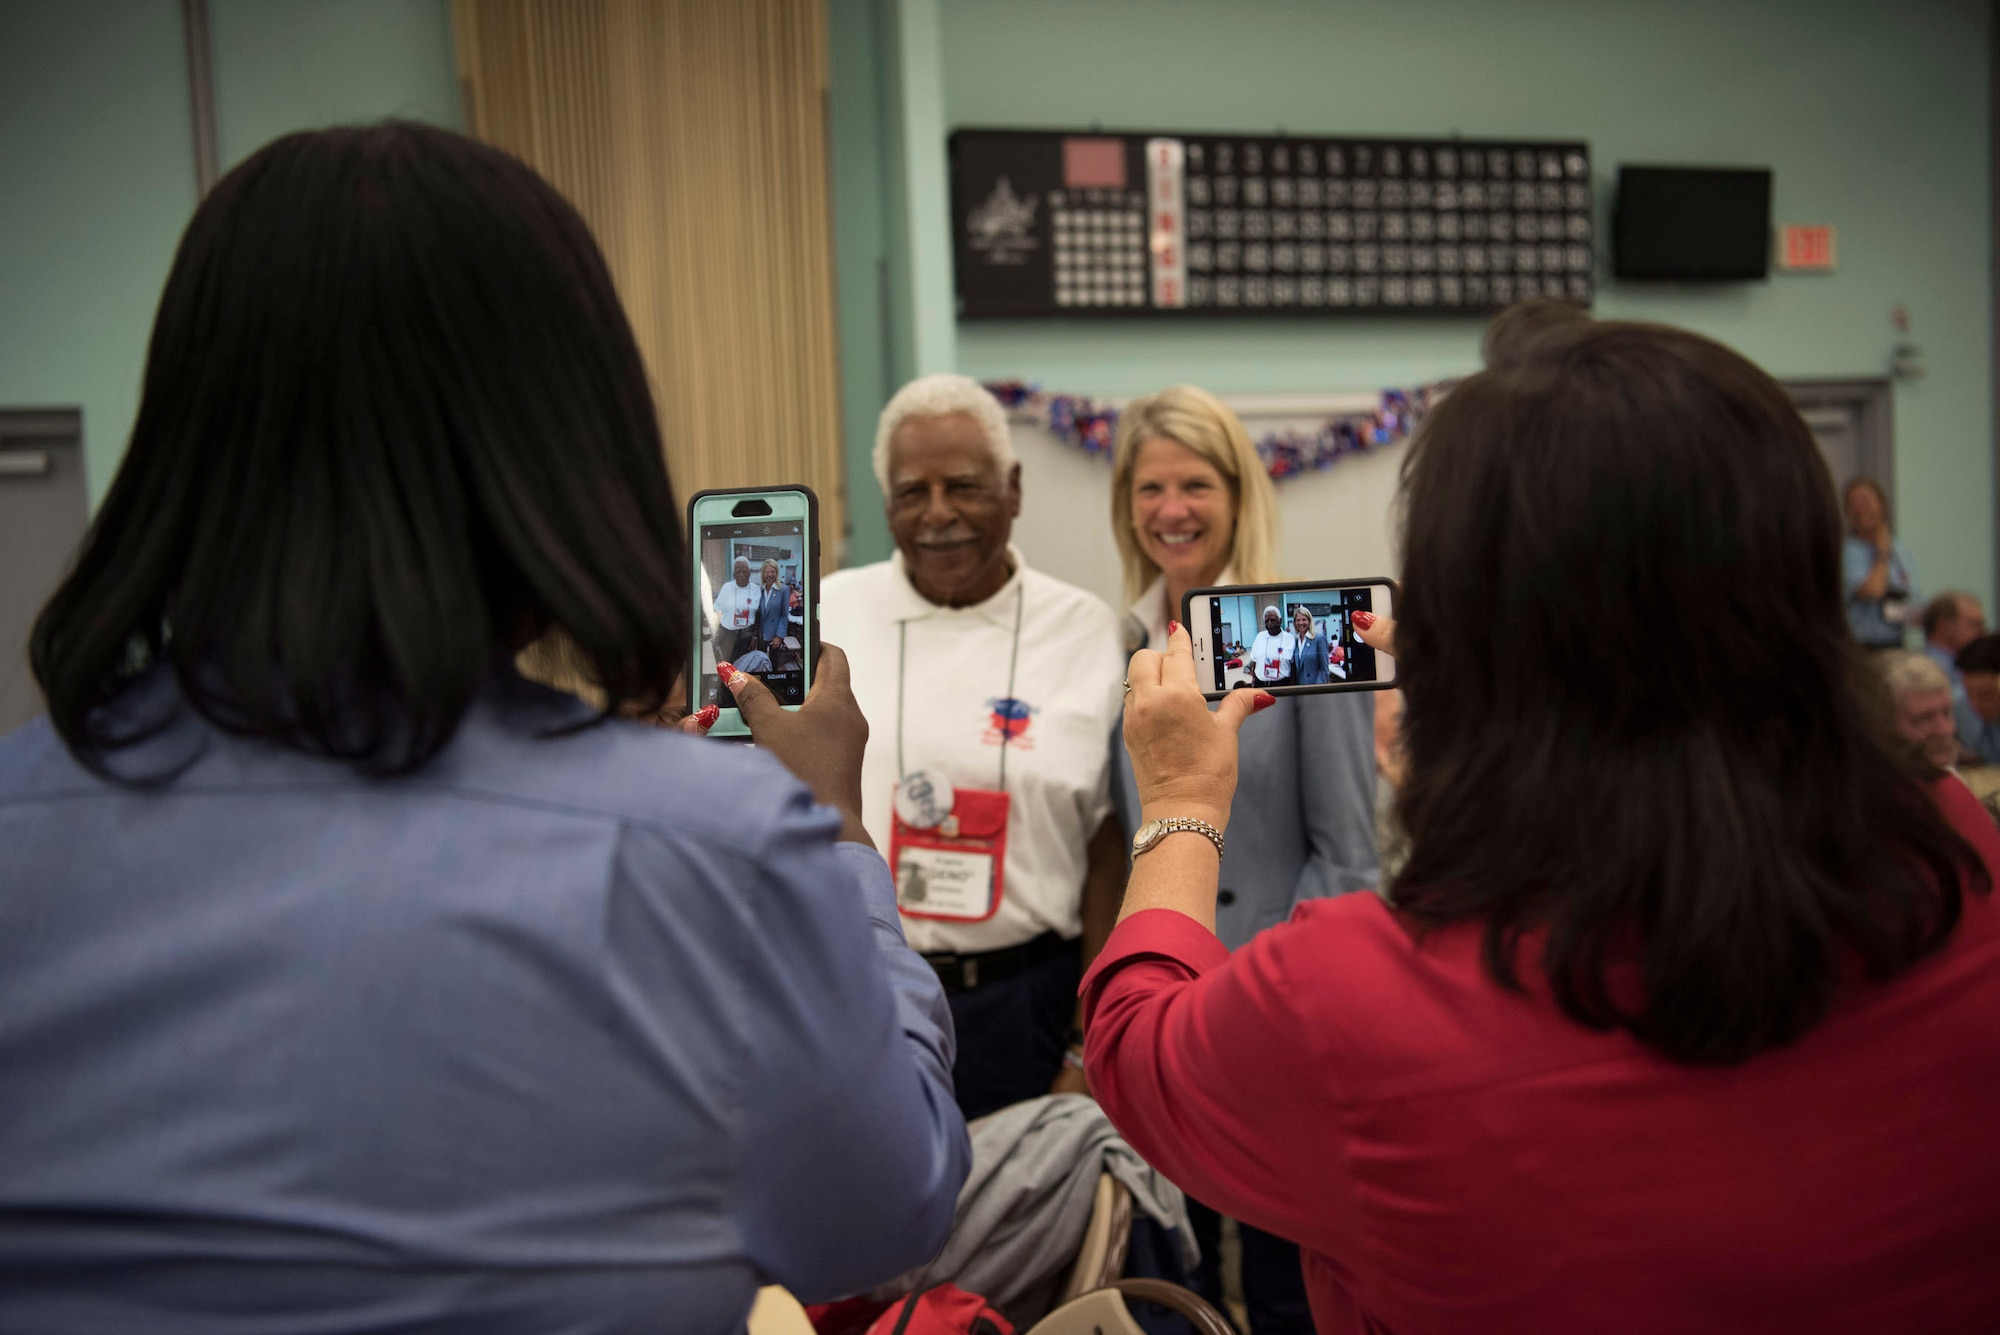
pixel 1856 559
pixel 852 1147
pixel 1337 794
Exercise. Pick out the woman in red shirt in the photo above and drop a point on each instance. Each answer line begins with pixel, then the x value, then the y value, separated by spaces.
pixel 1685 1012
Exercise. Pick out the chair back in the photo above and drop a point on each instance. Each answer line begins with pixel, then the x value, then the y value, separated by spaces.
pixel 1101 1256
pixel 777 1312
pixel 1104 1311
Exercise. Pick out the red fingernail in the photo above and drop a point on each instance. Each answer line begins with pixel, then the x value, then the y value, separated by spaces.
pixel 725 671
pixel 705 717
pixel 1173 628
pixel 1264 700
pixel 1364 619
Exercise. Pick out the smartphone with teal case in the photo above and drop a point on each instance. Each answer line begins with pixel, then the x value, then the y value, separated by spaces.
pixel 756 595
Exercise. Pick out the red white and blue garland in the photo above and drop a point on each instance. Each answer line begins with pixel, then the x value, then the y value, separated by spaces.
pixel 1091 425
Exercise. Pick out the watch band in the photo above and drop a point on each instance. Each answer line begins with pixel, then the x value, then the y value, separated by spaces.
pixel 1152 832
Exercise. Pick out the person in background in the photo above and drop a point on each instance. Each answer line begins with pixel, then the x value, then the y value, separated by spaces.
pixel 1663 915
pixel 1271 652
pixel 1921 696
pixel 1880 582
pixel 994 682
pixel 1979 711
pixel 736 613
pixel 1192 507
pixel 1951 621
pixel 351 982
pixel 1314 656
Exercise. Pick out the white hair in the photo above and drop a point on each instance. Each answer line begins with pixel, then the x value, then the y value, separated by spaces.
pixel 1908 673
pixel 939 396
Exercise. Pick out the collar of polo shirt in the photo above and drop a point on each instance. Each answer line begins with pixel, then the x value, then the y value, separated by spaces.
pixel 999 609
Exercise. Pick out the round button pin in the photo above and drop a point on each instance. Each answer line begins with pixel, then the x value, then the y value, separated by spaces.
pixel 924 799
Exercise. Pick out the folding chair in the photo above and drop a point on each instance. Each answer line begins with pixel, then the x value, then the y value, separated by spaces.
pixel 1104 1311
pixel 1101 1257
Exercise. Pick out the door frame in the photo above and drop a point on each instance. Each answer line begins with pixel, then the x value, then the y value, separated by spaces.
pixel 1873 402
pixel 21 427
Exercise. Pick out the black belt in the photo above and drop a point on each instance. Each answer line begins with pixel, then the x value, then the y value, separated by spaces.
pixel 962 973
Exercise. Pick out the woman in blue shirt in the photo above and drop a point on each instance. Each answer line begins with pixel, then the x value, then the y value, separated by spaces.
pixel 348 980
pixel 1877 576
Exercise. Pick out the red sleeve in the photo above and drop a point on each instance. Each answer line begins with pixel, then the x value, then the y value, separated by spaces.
pixel 1968 816
pixel 1205 1063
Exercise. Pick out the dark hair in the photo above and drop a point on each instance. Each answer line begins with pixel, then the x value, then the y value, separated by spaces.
pixel 1515 334
pixel 393 427
pixel 1982 655
pixel 1636 719
pixel 1947 606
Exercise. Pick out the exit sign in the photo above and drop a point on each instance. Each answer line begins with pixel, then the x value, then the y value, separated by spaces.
pixel 1806 249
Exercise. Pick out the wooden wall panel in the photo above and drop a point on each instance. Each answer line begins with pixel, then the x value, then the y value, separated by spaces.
pixel 691 134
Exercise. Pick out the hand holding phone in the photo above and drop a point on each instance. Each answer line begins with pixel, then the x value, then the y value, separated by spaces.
pixel 1379 632
pixel 756 604
pixel 1183 755
pixel 821 743
pixel 1289 639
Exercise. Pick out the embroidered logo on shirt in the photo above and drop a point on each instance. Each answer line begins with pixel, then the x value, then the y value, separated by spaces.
pixel 1007 721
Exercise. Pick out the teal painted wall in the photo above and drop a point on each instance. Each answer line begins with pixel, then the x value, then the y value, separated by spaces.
pixel 97 166
pixel 97 157
pixel 1872 113
pixel 285 65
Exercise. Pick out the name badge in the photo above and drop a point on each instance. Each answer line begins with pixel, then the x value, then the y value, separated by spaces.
pixel 951 867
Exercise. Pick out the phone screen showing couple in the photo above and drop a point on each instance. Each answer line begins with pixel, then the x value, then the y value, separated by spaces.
pixel 754 585
pixel 1289 637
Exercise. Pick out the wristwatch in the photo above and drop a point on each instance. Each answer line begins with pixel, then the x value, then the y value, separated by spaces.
pixel 1150 834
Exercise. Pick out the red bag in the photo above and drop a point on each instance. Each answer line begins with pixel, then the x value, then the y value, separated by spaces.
pixel 944 1310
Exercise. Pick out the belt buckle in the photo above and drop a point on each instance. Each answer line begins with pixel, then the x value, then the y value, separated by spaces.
pixel 968 973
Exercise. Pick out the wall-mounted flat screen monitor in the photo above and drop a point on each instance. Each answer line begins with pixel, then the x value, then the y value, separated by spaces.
pixel 1700 224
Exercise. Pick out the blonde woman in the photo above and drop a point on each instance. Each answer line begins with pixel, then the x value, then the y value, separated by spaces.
pixel 1191 507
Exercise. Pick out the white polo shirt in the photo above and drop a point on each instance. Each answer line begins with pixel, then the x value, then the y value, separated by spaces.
pixel 737 604
pixel 1068 676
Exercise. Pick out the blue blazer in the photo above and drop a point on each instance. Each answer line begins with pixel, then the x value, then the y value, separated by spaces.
pixel 1312 664
pixel 774 612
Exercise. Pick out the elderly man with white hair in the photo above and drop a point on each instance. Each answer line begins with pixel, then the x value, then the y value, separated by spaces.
pixel 736 613
pixel 992 692
pixel 1924 715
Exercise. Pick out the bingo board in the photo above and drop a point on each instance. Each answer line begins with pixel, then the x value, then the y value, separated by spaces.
pixel 1095 224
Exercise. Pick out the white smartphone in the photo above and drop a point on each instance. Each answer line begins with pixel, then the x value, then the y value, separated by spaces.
pixel 1288 639
pixel 756 595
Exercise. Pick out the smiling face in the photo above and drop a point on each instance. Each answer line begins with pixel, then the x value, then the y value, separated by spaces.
pixel 742 571
pixel 770 573
pixel 1183 513
pixel 1924 719
pixel 1271 622
pixel 1302 622
pixel 951 508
